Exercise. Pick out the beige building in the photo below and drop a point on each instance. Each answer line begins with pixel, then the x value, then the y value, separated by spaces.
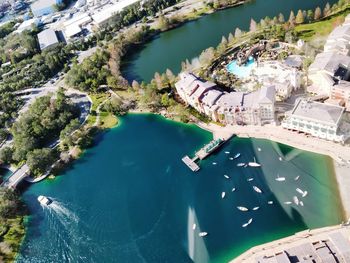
pixel 255 108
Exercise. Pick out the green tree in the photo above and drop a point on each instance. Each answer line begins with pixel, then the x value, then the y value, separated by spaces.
pixel 40 160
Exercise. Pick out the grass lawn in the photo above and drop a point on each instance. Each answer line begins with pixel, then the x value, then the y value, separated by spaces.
pixel 107 120
pixel 310 31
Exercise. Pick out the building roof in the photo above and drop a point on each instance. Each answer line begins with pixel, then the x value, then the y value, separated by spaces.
pixel 106 13
pixel 294 61
pixel 41 4
pixel 211 97
pixel 230 100
pixel 72 30
pixel 47 38
pixel 330 62
pixel 27 24
pixel 267 94
pixel 340 32
pixel 79 20
pixel 317 111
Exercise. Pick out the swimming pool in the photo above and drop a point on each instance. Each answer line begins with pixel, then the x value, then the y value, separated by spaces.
pixel 241 71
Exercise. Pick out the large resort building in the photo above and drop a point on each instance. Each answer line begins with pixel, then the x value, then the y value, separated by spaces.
pixel 317 119
pixel 254 108
pixel 330 72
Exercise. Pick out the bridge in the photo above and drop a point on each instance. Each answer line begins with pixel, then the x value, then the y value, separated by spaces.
pixel 17 177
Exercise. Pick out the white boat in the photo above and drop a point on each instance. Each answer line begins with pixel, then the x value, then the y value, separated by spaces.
pixel 300 191
pixel 194 226
pixel 297 178
pixel 254 164
pixel 301 203
pixel 236 155
pixel 248 223
pixel 242 208
pixel 287 203
pixel 214 163
pixel 44 200
pixel 280 158
pixel 280 179
pixel 227 152
pixel 250 179
pixel 223 195
pixel 203 234
pixel 246 165
pixel 255 208
pixel 226 176
pixel 303 193
pixel 233 189
pixel 240 164
pixel 259 149
pixel 257 189
pixel 231 158
pixel 296 200
pixel 270 202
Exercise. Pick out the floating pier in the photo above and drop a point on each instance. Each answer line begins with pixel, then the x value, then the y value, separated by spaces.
pixel 191 163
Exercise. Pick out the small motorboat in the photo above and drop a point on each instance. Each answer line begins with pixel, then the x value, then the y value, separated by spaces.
pixel 44 200
pixel 240 164
pixel 242 208
pixel 246 165
pixel 259 149
pixel 214 163
pixel 254 164
pixel 226 176
pixel 280 179
pixel 236 155
pixel 231 158
pixel 194 226
pixel 280 158
pixel 223 195
pixel 301 203
pixel 296 200
pixel 287 203
pixel 248 223
pixel 297 178
pixel 303 193
pixel 255 208
pixel 227 152
pixel 270 202
pixel 203 234
pixel 250 179
pixel 233 189
pixel 257 189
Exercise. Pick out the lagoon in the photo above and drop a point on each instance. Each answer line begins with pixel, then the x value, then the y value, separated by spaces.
pixel 131 199
pixel 170 48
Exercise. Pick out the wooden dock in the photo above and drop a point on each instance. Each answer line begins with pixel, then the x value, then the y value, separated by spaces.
pixel 191 163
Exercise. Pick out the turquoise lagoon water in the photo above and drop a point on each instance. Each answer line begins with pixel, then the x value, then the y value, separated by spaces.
pixel 241 71
pixel 131 199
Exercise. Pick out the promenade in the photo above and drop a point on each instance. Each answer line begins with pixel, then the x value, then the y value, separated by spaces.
pixel 339 153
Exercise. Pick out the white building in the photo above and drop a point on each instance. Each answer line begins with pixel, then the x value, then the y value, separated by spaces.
pixel 339 40
pixel 47 39
pixel 327 68
pixel 317 119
